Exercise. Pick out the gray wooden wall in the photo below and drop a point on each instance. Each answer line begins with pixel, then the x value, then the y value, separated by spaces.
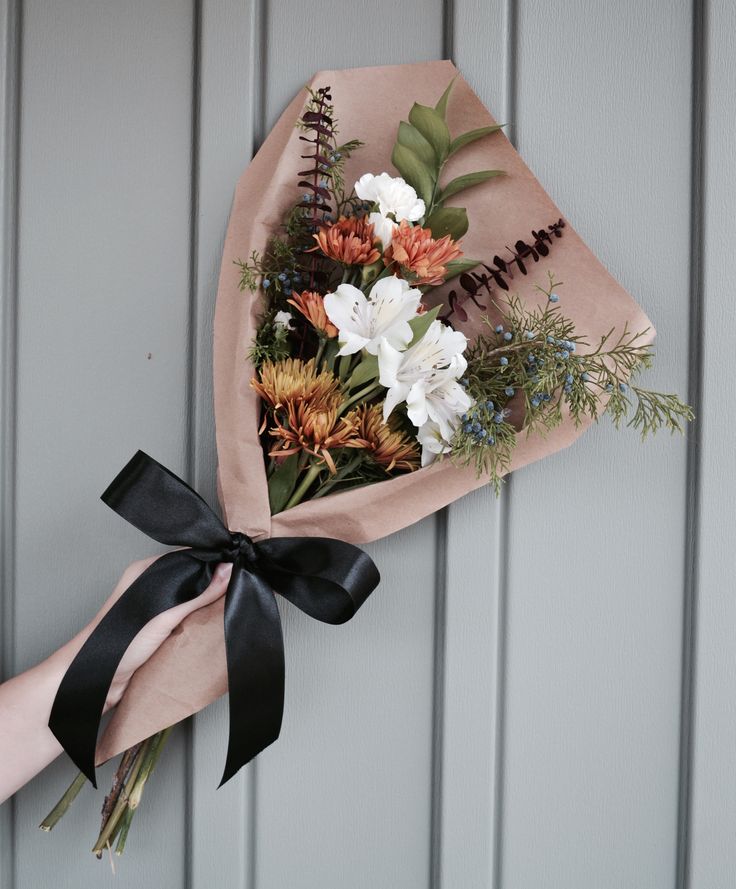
pixel 541 693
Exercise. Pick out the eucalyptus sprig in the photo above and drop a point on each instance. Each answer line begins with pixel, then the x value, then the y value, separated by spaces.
pixel 533 363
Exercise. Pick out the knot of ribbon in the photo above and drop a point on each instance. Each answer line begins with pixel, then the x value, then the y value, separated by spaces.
pixel 328 579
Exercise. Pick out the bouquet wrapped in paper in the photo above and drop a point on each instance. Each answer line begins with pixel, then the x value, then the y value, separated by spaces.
pixel 402 316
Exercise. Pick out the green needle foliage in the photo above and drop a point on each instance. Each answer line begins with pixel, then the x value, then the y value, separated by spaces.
pixel 532 364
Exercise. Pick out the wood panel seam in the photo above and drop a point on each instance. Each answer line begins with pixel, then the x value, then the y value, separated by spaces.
pixel 12 76
pixel 695 384
pixel 438 700
pixel 191 424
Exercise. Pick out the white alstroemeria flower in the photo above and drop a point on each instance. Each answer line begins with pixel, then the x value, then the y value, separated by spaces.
pixel 283 319
pixel 394 197
pixel 364 321
pixel 430 438
pixel 443 404
pixel 425 377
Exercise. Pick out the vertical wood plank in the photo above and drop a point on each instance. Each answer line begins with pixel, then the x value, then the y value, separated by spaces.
pixel 103 275
pixel 229 85
pixel 596 533
pixel 343 799
pixel 9 119
pixel 471 730
pixel 713 819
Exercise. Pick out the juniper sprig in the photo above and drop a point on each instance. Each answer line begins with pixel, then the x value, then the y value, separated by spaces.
pixel 533 365
pixel 270 343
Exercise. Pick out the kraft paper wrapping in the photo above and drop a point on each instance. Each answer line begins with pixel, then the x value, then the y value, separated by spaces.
pixel 189 671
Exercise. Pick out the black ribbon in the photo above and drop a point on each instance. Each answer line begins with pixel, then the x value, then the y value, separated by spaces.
pixel 327 579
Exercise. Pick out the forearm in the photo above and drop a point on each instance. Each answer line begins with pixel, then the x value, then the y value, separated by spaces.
pixel 26 743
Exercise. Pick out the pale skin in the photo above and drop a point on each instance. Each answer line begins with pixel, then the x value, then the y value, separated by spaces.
pixel 26 743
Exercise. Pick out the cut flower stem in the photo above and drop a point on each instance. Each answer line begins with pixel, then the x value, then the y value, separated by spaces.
pixel 61 808
pixel 310 476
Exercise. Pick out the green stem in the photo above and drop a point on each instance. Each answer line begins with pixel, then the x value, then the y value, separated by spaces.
pixel 309 477
pixel 388 270
pixel 339 476
pixel 135 795
pixel 343 366
pixel 113 822
pixel 363 394
pixel 61 808
pixel 125 823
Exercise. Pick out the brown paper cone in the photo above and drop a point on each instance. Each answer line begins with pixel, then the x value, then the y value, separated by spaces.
pixel 188 672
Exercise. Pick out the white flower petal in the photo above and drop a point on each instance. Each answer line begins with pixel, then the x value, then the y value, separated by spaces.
pixel 363 321
pixel 283 319
pixel 344 305
pixel 445 404
pixel 416 403
pixel 383 228
pixel 351 343
pixel 393 195
pixel 432 442
pixel 394 397
pixel 389 361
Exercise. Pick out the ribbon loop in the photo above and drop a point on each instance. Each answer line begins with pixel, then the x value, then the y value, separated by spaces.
pixel 327 579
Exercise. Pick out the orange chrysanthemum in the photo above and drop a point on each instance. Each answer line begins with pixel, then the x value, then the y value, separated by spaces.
pixel 281 383
pixel 314 428
pixel 389 446
pixel 312 306
pixel 420 255
pixel 350 241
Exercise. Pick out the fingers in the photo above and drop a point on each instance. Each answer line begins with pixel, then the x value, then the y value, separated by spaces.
pixel 158 630
pixel 217 587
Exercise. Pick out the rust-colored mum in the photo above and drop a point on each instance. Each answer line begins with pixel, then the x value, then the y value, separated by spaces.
pixel 313 427
pixel 283 382
pixel 350 241
pixel 312 306
pixel 389 446
pixel 420 255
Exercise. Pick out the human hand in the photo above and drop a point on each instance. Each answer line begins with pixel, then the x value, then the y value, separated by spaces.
pixel 156 631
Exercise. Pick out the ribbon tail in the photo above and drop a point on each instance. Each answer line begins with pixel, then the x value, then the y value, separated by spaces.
pixel 77 709
pixel 254 648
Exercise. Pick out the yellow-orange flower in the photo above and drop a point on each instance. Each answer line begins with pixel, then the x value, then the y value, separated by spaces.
pixel 419 254
pixel 315 428
pixel 284 382
pixel 312 306
pixel 350 240
pixel 389 446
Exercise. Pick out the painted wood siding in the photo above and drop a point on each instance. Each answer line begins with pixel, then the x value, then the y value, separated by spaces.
pixel 540 694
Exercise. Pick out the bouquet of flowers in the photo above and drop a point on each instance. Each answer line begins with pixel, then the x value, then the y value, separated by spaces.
pixel 394 339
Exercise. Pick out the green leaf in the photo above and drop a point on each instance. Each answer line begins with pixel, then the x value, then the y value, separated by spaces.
pixel 468 180
pixel 441 106
pixel 472 136
pixel 281 483
pixel 451 221
pixel 432 126
pixel 411 138
pixel 366 371
pixel 417 174
pixel 420 324
pixel 456 267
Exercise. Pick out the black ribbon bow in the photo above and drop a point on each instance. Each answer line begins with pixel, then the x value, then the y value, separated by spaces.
pixel 327 579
